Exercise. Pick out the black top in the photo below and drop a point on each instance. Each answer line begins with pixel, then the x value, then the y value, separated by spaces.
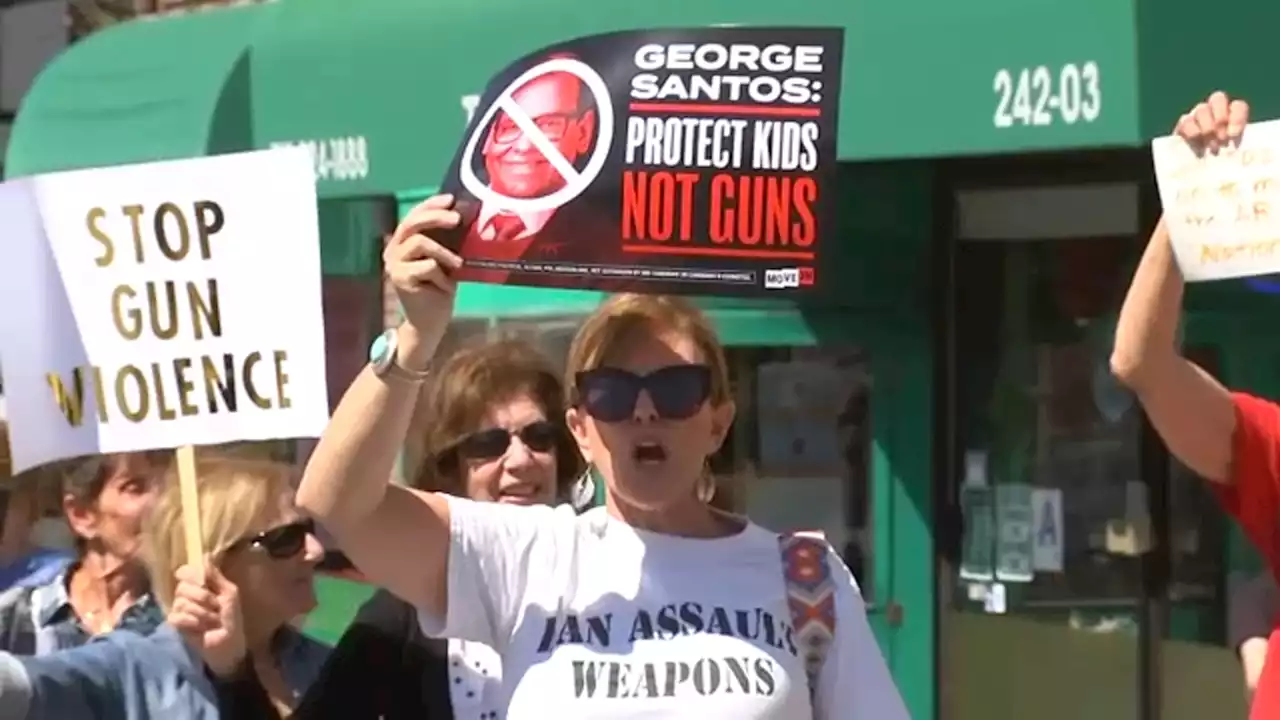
pixel 383 668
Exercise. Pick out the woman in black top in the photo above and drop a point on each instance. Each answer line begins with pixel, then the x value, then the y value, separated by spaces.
pixel 383 667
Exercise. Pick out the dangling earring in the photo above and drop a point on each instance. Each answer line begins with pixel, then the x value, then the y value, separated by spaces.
pixel 583 493
pixel 706 487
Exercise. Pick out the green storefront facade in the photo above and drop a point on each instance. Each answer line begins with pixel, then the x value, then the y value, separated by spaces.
pixel 996 191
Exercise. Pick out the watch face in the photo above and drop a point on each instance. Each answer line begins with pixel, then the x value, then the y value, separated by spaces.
pixel 378 349
pixel 381 351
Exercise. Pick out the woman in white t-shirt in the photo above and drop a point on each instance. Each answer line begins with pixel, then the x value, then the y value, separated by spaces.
pixel 654 606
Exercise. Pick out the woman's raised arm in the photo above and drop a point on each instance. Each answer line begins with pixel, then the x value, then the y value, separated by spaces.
pixel 1191 410
pixel 346 484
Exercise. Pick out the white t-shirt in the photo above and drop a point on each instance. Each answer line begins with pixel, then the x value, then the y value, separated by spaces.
pixel 595 619
pixel 475 680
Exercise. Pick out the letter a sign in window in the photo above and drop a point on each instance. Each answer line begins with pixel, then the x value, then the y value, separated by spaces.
pixel 1046 553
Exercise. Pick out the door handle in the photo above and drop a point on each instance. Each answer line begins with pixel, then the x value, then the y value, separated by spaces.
pixel 892 611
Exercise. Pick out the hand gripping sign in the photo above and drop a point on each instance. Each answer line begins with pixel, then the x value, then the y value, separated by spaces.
pixel 689 161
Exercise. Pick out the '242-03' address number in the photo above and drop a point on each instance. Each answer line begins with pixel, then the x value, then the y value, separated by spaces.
pixel 1040 96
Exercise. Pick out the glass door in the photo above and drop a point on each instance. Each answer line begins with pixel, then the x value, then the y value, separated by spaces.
pixel 1090 569
pixel 1048 597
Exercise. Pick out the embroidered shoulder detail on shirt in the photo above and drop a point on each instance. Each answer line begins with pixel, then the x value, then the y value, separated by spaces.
pixel 811 599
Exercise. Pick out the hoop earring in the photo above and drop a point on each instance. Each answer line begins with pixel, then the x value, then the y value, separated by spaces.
pixel 583 493
pixel 706 487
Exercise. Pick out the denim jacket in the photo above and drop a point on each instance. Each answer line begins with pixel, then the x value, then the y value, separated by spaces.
pixel 36 568
pixel 125 676
pixel 38 620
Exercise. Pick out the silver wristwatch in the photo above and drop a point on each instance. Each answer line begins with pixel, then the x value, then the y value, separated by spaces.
pixel 382 358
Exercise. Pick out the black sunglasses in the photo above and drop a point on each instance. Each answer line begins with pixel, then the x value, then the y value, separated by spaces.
pixel 539 436
pixel 281 542
pixel 677 391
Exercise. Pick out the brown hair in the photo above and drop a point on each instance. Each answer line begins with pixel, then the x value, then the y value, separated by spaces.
pixel 463 391
pixel 36 489
pixel 236 493
pixel 84 478
pixel 621 316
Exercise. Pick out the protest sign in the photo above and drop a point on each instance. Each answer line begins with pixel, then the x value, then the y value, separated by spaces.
pixel 694 161
pixel 162 305
pixel 1219 206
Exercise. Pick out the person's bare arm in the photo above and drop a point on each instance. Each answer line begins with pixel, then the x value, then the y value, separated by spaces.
pixel 346 488
pixel 397 537
pixel 1191 410
pixel 1253 654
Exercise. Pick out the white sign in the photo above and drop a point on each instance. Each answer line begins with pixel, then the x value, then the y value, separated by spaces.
pixel 341 159
pixel 780 278
pixel 1220 207
pixel 1046 529
pixel 995 601
pixel 975 468
pixel 158 305
pixel 1044 96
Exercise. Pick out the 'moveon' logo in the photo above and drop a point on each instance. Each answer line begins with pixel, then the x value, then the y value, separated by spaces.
pixel 781 278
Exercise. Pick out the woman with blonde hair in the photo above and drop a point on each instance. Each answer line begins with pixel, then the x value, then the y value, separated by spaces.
pixel 656 604
pixel 258 543
pixel 495 434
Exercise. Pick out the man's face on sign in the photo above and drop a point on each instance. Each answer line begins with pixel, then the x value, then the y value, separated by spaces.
pixel 515 165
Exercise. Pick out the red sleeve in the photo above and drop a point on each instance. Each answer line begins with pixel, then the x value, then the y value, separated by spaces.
pixel 1253 495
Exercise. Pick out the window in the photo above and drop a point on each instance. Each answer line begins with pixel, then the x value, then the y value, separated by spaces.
pixel 1047 429
pixel 800 452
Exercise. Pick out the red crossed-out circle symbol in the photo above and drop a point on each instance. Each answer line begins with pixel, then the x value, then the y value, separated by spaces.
pixel 575 183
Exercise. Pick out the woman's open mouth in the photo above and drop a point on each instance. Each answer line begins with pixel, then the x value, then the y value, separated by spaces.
pixel 649 453
pixel 521 494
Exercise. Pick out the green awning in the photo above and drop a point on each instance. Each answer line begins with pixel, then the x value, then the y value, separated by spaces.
pixel 148 89
pixel 389 79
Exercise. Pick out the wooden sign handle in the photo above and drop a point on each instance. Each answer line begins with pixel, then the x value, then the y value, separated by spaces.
pixel 190 494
